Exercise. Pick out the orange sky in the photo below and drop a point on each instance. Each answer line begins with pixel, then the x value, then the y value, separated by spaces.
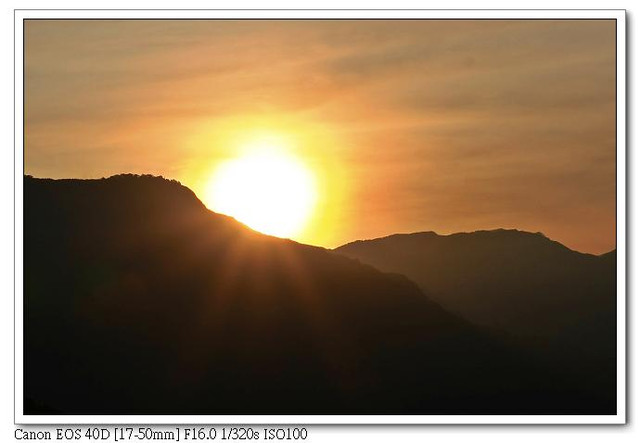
pixel 409 125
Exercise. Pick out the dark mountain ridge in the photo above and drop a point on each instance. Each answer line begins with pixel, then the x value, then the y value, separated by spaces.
pixel 506 279
pixel 544 295
pixel 137 299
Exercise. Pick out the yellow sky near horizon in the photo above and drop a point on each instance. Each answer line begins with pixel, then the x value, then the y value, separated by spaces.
pixel 408 125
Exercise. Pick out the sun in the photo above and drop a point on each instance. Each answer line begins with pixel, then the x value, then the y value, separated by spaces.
pixel 267 189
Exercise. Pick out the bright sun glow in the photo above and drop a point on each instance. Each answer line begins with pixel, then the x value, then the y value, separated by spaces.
pixel 266 189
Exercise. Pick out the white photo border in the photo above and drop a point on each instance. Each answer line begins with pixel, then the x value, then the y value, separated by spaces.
pixel 621 198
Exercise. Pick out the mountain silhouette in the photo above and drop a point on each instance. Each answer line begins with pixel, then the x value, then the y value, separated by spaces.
pixel 139 300
pixel 535 289
pixel 521 282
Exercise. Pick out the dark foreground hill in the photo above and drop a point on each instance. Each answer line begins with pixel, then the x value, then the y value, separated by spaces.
pixel 137 299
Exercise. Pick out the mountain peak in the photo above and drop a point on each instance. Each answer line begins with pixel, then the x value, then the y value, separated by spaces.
pixel 133 191
pixel 126 177
pixel 499 236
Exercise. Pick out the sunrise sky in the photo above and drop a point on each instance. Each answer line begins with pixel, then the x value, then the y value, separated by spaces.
pixel 405 126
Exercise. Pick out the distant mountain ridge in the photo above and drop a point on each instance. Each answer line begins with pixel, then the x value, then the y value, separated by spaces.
pixel 509 280
pixel 137 299
pixel 496 233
